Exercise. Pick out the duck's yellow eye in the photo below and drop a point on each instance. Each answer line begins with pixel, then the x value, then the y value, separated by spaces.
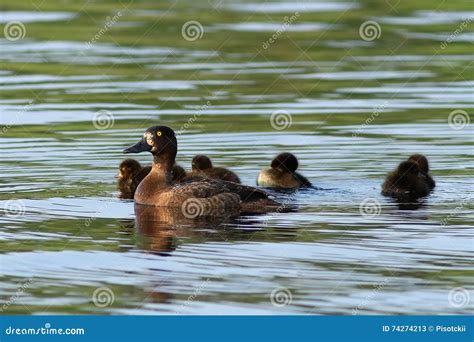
pixel 158 133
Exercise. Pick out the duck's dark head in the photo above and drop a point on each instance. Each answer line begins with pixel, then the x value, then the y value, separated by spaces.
pixel 201 162
pixel 285 162
pixel 159 141
pixel 128 168
pixel 422 162
pixel 408 168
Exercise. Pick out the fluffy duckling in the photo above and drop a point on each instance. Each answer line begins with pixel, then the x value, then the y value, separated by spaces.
pixel 406 181
pixel 196 198
pixel 178 172
pixel 131 173
pixel 202 166
pixel 282 173
pixel 424 167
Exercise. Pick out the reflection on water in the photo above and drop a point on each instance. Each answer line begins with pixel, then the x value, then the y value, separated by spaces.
pixel 272 27
pixel 290 7
pixel 34 16
pixel 99 53
pixel 354 110
pixel 429 18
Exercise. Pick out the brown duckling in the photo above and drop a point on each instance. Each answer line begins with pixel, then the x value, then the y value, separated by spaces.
pixel 424 167
pixel 282 173
pixel 197 198
pixel 178 172
pixel 406 181
pixel 202 166
pixel 131 173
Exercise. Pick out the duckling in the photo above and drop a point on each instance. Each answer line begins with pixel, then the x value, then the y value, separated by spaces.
pixel 406 181
pixel 198 197
pixel 282 173
pixel 424 167
pixel 178 172
pixel 202 166
pixel 131 173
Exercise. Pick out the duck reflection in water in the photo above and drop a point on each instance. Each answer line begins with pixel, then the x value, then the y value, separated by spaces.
pixel 160 226
pixel 409 203
pixel 160 229
pixel 163 230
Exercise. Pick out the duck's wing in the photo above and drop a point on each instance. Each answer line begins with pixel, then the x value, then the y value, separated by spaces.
pixel 202 198
pixel 245 192
pixel 202 184
pixel 198 187
pixel 252 200
pixel 302 179
pixel 256 201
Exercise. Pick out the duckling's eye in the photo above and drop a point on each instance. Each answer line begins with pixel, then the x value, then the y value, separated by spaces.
pixel 158 133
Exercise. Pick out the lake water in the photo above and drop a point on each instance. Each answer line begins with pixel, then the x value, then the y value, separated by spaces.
pixel 351 88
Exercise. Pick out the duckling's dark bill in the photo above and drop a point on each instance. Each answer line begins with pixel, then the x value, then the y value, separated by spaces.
pixel 140 146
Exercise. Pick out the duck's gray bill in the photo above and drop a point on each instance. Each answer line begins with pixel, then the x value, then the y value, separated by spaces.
pixel 140 146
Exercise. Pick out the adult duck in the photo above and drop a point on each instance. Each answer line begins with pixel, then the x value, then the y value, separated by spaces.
pixel 204 196
pixel 131 173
